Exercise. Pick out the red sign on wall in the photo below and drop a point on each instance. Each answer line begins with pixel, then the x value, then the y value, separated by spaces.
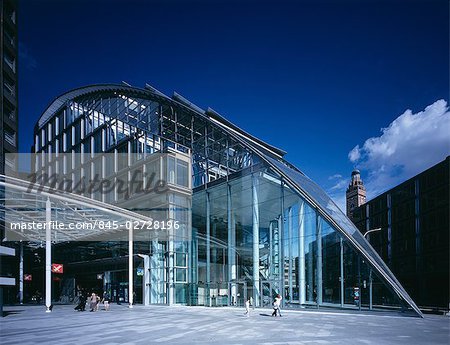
pixel 57 268
pixel 27 277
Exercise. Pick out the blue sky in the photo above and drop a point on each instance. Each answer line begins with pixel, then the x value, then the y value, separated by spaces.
pixel 315 78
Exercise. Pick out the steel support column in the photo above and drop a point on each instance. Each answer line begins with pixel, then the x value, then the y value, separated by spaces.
pixel 231 248
pixel 146 280
pixel 281 241
pixel 289 244
pixel 255 224
pixel 48 256
pixel 21 273
pixel 319 260
pixel 301 252
pixel 208 248
pixel 341 278
pixel 370 290
pixel 130 267
pixel 171 275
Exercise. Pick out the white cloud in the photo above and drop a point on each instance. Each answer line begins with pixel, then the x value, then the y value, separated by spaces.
pixel 409 145
pixel 354 154
pixel 340 185
pixel 335 177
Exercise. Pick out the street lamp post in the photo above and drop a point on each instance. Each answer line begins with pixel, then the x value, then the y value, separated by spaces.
pixel 371 230
pixel 370 271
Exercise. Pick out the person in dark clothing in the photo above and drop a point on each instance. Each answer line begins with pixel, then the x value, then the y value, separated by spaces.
pixel 82 304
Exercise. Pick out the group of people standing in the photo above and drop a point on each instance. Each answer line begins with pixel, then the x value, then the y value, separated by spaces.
pixel 94 301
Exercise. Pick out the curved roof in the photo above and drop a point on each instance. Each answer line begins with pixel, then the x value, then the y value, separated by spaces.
pixel 148 92
pixel 61 100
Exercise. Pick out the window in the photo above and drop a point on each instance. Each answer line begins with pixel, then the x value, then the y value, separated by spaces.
pixel 122 156
pixel 180 275
pixel 77 132
pixel 177 171
pixel 10 136
pixel 180 260
pixel 98 141
pixel 10 13
pixel 171 170
pixel 9 86
pixel 88 124
pixel 9 60
pixel 9 110
pixel 9 37
pixel 61 122
pixel 180 267
pixel 87 149
pixel 182 173
pixel 69 139
pixel 10 161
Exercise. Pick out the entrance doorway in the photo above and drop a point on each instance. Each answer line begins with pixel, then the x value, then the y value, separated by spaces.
pixel 237 292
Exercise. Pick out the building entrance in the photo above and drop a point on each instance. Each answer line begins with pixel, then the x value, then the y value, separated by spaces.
pixel 237 292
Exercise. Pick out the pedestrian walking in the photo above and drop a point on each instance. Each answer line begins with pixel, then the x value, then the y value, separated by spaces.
pixel 277 305
pixel 94 302
pixel 247 307
pixel 106 299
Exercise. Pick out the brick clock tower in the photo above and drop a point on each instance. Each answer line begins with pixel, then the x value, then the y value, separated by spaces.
pixel 356 193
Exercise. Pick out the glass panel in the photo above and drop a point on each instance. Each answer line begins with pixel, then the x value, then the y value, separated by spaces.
pixel 182 173
pixel 180 274
pixel 331 250
pixel 180 260
pixel 171 169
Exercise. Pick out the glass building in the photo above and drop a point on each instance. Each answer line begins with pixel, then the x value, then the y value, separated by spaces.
pixel 253 225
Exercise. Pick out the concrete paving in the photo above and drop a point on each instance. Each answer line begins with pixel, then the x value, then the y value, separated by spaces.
pixel 200 325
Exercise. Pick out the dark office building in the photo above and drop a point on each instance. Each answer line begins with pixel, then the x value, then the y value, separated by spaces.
pixel 8 92
pixel 414 235
pixel 8 123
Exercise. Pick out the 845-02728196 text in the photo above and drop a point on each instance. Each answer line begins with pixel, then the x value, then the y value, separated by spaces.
pixel 153 224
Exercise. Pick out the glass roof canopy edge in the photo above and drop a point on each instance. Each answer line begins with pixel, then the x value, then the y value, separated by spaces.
pixel 344 225
pixel 82 204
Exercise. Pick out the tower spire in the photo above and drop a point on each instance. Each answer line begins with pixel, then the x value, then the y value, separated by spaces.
pixel 356 193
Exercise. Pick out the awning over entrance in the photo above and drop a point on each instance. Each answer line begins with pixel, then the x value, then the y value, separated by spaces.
pixel 34 214
pixel 74 217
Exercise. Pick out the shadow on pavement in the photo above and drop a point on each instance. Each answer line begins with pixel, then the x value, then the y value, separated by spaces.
pixel 6 313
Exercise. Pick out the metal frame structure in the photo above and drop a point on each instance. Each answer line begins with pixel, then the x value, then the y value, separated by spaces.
pixel 220 151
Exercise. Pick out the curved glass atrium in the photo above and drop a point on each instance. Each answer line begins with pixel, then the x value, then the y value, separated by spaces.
pixel 252 225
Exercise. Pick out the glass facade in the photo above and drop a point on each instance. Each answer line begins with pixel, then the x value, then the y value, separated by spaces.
pixel 256 225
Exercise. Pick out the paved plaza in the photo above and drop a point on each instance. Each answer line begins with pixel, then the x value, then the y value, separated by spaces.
pixel 200 325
